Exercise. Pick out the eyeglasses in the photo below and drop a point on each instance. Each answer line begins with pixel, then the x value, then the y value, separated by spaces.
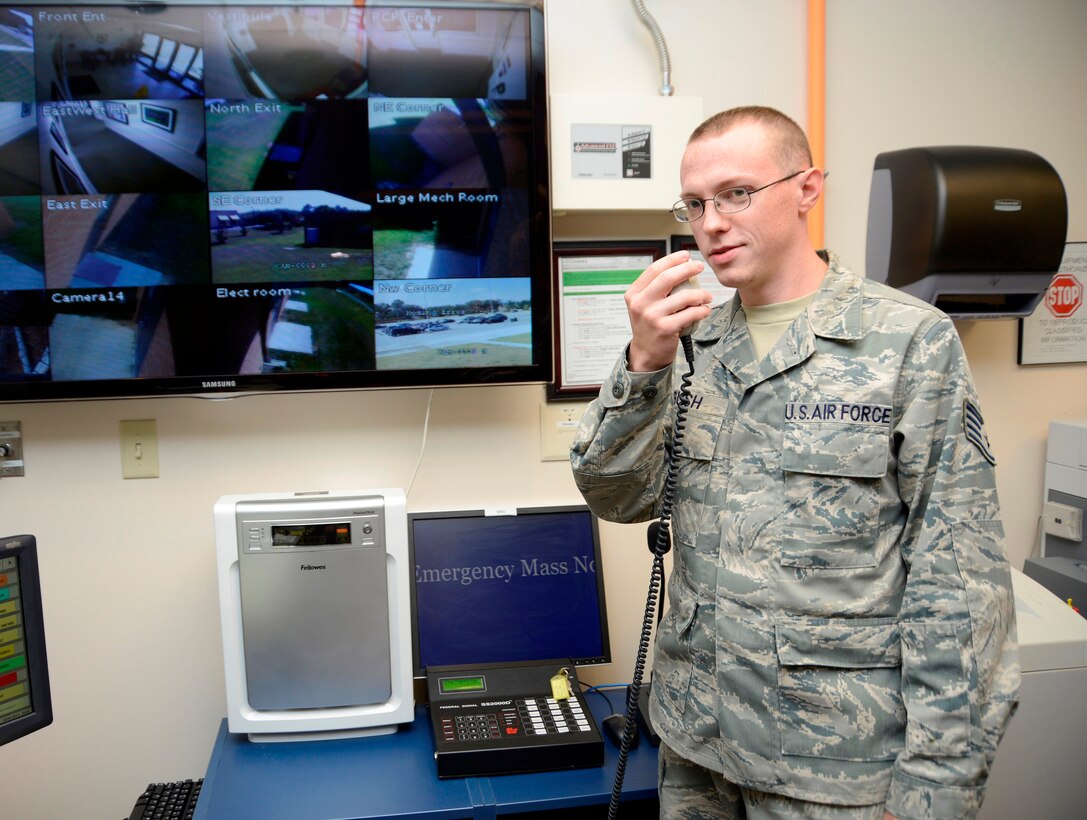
pixel 728 201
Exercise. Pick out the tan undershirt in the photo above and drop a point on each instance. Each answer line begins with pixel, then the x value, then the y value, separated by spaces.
pixel 767 323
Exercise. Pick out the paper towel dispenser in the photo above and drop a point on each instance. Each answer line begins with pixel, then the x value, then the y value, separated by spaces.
pixel 976 231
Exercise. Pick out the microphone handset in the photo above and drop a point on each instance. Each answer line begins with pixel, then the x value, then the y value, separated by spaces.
pixel 687 284
pixel 659 544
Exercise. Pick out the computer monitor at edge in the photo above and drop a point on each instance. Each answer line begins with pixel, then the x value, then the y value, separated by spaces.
pixel 25 702
pixel 507 586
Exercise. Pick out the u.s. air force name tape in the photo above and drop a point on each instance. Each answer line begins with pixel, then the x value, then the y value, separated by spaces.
pixel 838 411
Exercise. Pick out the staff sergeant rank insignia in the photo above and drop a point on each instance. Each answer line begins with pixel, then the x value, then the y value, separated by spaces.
pixel 973 427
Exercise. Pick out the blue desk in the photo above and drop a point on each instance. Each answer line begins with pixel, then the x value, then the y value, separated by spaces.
pixel 393 776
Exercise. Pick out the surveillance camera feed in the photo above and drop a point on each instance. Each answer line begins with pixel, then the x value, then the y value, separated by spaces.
pixel 221 198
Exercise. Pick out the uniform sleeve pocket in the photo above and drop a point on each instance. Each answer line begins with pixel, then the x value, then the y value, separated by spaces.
pixel 934 684
pixel 979 553
pixel 832 480
pixel 839 689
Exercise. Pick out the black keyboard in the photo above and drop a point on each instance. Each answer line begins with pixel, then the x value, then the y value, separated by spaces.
pixel 168 801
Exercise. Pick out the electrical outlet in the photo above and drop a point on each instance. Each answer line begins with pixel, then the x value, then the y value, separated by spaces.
pixel 1062 521
pixel 558 425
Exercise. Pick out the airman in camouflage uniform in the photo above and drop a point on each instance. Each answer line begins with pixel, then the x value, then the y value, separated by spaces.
pixel 840 629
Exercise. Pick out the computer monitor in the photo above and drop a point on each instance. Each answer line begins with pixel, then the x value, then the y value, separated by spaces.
pixel 25 705
pixel 506 586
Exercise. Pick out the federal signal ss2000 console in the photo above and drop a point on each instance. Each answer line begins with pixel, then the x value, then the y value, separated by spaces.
pixel 491 719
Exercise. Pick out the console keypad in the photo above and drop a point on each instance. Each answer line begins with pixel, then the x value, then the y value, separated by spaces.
pixel 530 716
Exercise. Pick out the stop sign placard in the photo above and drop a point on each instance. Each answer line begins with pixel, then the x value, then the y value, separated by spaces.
pixel 1064 296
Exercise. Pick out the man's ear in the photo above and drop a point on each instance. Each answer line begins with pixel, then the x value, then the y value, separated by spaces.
pixel 811 188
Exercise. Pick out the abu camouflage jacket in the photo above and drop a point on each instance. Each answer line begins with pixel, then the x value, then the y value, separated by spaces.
pixel 841 625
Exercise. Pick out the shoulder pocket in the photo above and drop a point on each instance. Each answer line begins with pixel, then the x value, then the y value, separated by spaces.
pixel 696 464
pixel 701 430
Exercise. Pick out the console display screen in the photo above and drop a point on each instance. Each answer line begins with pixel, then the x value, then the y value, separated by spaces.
pixel 25 702
pixel 215 198
pixel 507 588
pixel 311 535
pixel 15 695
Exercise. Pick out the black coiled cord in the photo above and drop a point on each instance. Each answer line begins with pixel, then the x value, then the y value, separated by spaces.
pixel 660 548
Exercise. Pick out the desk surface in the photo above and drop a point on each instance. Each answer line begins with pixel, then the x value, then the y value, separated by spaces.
pixel 394 776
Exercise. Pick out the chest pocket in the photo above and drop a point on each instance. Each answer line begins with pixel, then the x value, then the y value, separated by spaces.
pixel 699 464
pixel 832 482
pixel 701 429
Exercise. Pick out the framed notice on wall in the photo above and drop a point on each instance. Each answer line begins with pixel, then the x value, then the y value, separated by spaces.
pixel 1056 332
pixel 589 281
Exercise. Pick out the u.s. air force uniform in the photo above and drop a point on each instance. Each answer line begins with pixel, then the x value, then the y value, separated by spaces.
pixel 841 623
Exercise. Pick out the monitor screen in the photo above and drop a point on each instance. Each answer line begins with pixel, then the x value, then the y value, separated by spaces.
pixel 25 705
pixel 225 197
pixel 507 586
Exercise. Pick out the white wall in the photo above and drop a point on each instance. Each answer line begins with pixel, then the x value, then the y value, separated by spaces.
pixel 128 566
pixel 972 72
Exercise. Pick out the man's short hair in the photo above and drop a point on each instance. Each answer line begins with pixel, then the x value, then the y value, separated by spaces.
pixel 792 142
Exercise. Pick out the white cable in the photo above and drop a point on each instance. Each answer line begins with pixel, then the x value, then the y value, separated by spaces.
pixel 422 444
pixel 1039 538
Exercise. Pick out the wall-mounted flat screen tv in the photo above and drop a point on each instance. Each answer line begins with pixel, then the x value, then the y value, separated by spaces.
pixel 224 198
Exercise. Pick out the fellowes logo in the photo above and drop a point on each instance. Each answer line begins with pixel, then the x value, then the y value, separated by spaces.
pixel 311 567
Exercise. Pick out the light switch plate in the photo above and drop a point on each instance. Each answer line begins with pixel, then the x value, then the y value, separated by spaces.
pixel 139 449
pixel 558 425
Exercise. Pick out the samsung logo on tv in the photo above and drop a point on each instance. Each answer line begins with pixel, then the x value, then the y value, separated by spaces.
pixel 1008 205
pixel 220 383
